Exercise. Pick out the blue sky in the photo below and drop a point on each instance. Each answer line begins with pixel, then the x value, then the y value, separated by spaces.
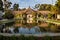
pixel 31 3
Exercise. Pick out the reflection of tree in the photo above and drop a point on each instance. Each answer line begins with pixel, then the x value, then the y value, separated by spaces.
pixel 42 29
pixel 9 24
pixel 16 30
pixel 52 27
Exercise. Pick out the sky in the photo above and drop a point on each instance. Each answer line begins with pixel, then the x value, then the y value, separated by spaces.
pixel 31 3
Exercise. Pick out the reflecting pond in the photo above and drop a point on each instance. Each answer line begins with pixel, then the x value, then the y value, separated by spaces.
pixel 23 30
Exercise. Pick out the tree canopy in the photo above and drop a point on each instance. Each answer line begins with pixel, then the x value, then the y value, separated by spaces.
pixel 8 15
pixel 16 6
pixel 58 5
pixel 1 5
pixel 7 5
pixel 43 6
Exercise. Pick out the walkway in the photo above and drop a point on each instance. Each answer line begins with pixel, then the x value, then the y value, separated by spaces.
pixel 38 35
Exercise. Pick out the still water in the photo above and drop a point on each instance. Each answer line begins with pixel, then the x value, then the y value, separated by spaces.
pixel 23 30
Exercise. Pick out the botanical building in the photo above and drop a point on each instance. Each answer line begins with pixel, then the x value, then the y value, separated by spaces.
pixel 29 16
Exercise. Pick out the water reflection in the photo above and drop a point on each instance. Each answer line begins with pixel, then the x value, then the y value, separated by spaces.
pixel 11 29
pixel 25 30
pixel 28 30
pixel 32 29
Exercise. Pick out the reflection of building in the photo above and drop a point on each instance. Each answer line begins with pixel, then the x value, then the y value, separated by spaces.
pixel 29 16
pixel 58 16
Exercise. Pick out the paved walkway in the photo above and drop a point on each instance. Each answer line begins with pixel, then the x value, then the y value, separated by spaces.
pixel 38 35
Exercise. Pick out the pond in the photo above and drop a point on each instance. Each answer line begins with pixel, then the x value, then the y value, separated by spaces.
pixel 23 30
pixel 40 27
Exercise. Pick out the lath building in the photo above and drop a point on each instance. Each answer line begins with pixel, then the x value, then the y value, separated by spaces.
pixel 29 17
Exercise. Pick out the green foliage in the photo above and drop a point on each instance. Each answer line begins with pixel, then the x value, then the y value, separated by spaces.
pixel 7 5
pixel 42 29
pixel 58 5
pixel 53 8
pixel 9 24
pixel 16 6
pixel 47 38
pixel 50 15
pixel 16 30
pixel 8 15
pixel 37 6
pixel 22 37
pixel 43 6
pixel 1 5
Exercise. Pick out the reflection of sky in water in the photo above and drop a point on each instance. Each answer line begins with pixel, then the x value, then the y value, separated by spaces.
pixel 26 30
pixel 23 30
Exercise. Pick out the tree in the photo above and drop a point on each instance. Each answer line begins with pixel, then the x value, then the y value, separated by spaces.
pixel 54 11
pixel 1 5
pixel 7 4
pixel 43 6
pixel 16 30
pixel 8 15
pixel 58 5
pixel 50 15
pixel 37 6
pixel 24 9
pixel 16 6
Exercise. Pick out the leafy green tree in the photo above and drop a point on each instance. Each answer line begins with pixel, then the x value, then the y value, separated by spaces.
pixel 47 38
pixel 16 6
pixel 1 5
pixel 24 9
pixel 58 5
pixel 50 15
pixel 43 6
pixel 54 11
pixel 37 6
pixel 16 30
pixel 8 15
pixel 7 5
